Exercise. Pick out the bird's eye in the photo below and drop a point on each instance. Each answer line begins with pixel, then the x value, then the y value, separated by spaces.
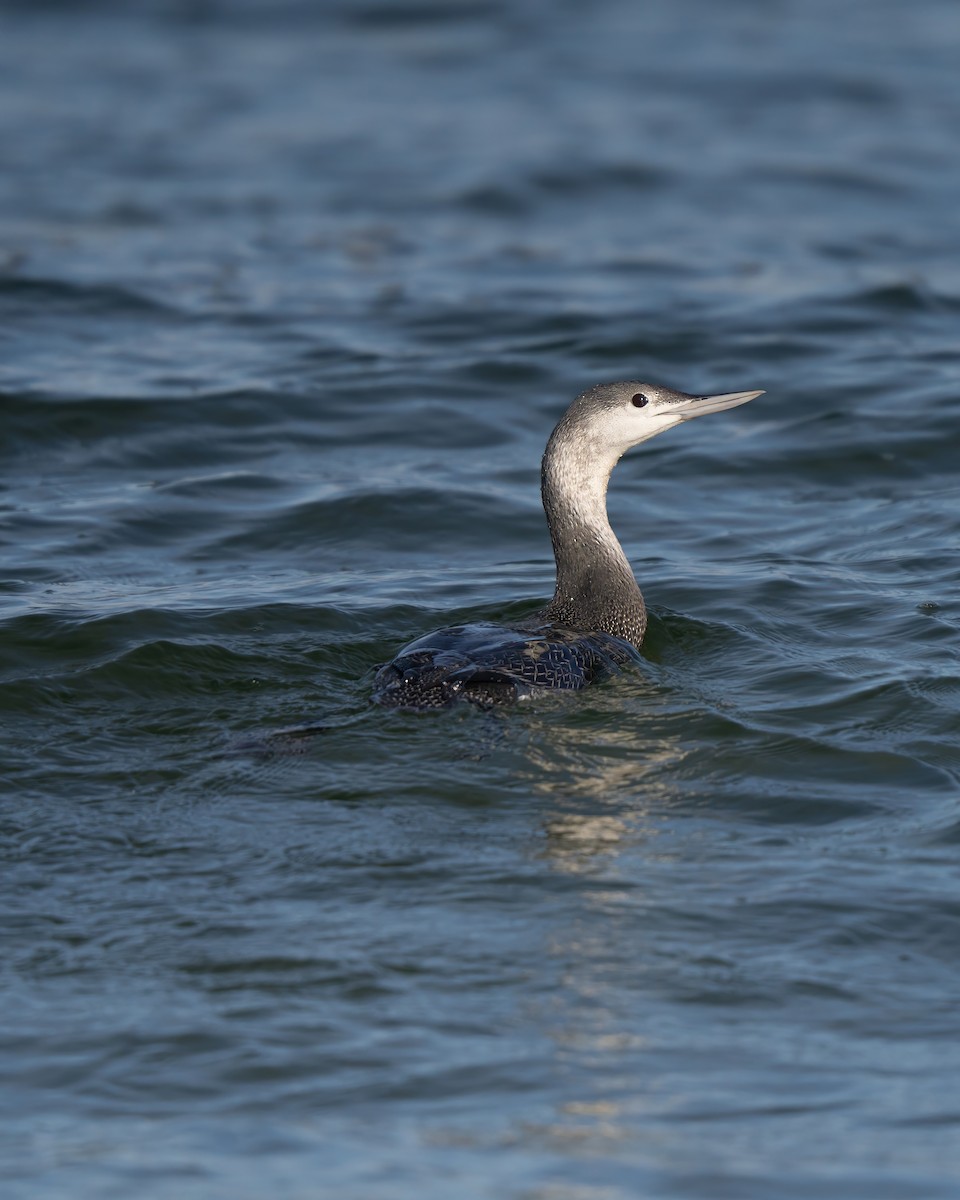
pixel 639 400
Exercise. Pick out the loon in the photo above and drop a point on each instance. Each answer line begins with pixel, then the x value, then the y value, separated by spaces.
pixel 596 620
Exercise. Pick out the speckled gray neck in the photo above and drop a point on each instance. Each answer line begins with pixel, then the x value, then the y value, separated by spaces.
pixel 596 590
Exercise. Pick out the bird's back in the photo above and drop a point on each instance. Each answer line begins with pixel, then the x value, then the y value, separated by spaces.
pixel 489 664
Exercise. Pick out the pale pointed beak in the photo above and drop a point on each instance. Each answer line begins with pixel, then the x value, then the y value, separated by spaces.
pixel 698 406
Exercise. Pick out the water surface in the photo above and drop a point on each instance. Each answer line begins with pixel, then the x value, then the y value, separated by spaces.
pixel 290 298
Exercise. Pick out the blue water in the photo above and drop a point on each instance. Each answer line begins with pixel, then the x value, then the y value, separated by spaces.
pixel 291 296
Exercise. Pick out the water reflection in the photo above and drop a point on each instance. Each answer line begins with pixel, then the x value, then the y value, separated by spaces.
pixel 575 840
pixel 607 775
pixel 610 776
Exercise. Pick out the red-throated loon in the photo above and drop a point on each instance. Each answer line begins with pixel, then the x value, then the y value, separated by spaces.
pixel 596 619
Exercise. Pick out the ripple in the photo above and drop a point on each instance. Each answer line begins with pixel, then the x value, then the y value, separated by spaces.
pixel 280 352
pixel 49 298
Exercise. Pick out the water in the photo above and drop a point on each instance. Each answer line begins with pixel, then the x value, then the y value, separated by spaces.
pixel 291 296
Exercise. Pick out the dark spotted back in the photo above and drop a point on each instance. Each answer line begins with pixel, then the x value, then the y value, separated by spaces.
pixel 493 664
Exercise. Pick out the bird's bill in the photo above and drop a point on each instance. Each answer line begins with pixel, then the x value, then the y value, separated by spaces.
pixel 698 406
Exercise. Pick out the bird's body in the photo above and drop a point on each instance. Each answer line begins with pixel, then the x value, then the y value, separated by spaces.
pixel 496 664
pixel 596 620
